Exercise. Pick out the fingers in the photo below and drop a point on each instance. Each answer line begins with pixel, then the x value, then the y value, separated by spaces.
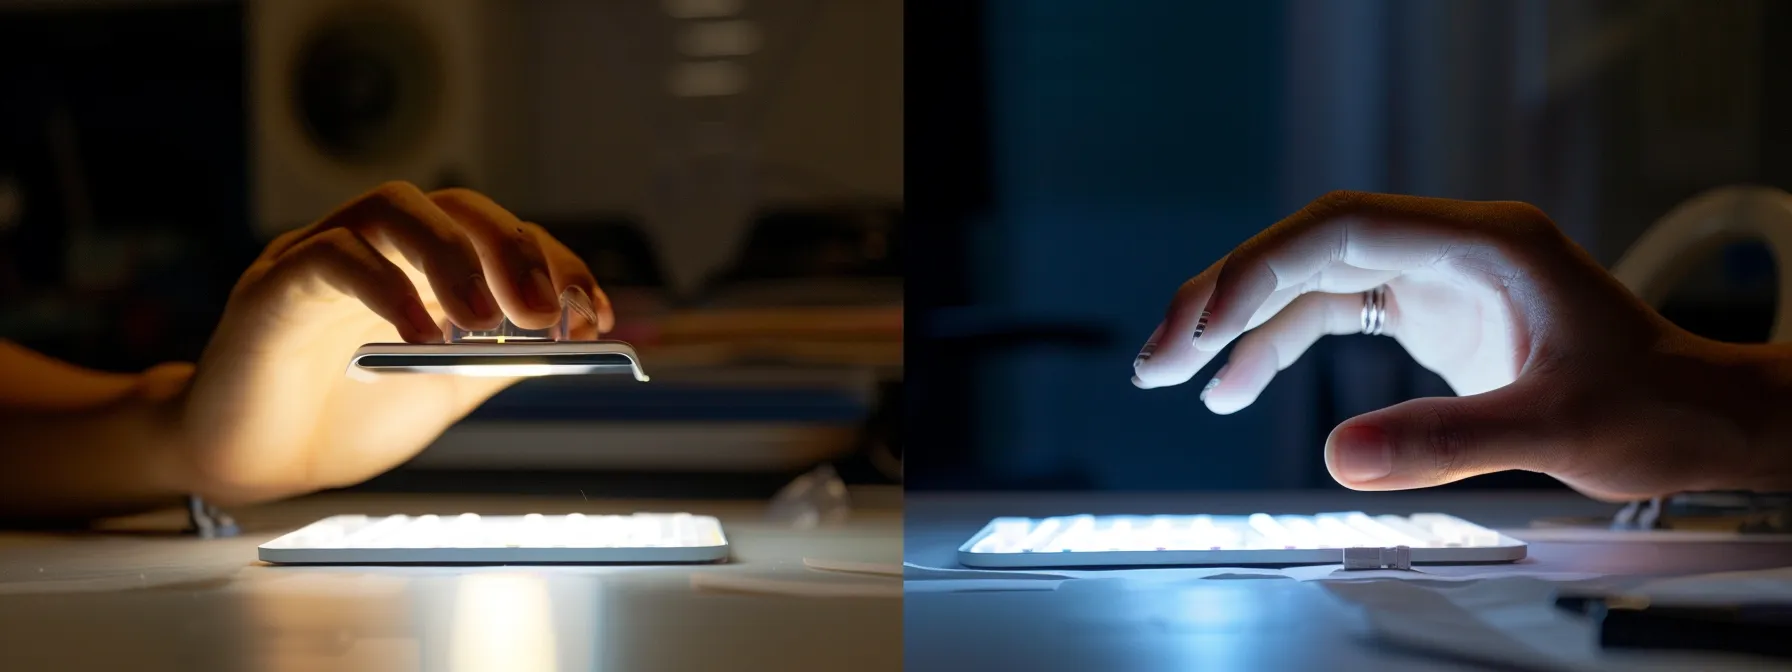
pixel 480 260
pixel 1168 358
pixel 1428 442
pixel 516 265
pixel 1168 361
pixel 590 307
pixel 403 216
pixel 1369 232
pixel 1266 350
pixel 348 263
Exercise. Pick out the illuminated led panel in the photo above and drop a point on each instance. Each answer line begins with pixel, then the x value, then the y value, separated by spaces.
pixel 534 538
pixel 1257 539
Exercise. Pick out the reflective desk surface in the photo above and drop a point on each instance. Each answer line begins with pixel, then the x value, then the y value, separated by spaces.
pixel 149 599
pixel 1223 624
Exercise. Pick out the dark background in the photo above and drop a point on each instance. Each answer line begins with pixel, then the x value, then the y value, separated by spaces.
pixel 150 148
pixel 130 176
pixel 1075 161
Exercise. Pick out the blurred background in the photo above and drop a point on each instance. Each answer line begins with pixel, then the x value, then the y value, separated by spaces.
pixel 1101 153
pixel 730 169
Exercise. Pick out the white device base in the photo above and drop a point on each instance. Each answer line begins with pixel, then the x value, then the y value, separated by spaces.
pixel 503 360
pixel 1257 539
pixel 642 538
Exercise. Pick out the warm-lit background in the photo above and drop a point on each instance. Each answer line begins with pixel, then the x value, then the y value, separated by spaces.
pixel 731 170
pixel 1114 149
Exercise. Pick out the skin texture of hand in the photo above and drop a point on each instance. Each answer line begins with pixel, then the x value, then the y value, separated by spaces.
pixel 268 411
pixel 1561 370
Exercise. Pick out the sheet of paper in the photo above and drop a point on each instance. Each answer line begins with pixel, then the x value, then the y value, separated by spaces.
pixel 851 567
pixel 979 586
pixel 730 583
pixel 913 571
pixel 1590 535
pixel 1768 585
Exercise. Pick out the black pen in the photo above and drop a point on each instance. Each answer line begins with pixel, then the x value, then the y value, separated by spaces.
pixel 1636 623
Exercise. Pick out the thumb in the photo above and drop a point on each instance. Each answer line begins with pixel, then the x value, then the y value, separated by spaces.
pixel 1433 441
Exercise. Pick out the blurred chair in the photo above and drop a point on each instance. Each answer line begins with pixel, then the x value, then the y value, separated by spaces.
pixel 1696 230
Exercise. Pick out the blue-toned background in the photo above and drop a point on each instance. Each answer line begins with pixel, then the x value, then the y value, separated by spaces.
pixel 1125 146
pixel 1117 169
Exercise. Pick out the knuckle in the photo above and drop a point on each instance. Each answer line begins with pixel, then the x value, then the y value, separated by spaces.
pixel 1446 440
pixel 523 245
pixel 537 232
pixel 1191 293
pixel 1527 221
pixel 381 202
pixel 456 195
pixel 1335 203
pixel 395 191
pixel 331 242
pixel 284 240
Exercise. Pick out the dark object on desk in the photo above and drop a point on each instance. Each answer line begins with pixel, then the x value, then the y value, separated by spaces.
pixel 207 521
pixel 847 241
pixel 1745 512
pixel 844 255
pixel 1626 623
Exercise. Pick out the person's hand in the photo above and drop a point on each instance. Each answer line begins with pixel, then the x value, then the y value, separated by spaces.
pixel 268 410
pixel 1561 370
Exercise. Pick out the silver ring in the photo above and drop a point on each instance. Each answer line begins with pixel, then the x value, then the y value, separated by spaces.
pixel 1375 310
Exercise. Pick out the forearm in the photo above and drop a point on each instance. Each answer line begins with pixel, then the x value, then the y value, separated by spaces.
pixel 78 445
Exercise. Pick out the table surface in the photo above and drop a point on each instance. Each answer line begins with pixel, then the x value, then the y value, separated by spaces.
pixel 136 596
pixel 1225 624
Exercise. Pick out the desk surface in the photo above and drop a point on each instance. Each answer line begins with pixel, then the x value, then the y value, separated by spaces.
pixel 151 600
pixel 1224 624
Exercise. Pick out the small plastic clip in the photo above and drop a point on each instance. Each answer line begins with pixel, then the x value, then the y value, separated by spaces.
pixel 1398 557
pixel 207 521
pixel 1640 515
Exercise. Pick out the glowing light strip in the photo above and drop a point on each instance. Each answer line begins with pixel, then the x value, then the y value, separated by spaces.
pixel 1087 533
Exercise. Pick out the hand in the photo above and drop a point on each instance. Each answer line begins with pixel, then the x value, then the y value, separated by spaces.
pixel 1561 370
pixel 269 412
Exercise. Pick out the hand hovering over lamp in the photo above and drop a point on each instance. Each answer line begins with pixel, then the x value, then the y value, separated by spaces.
pixel 267 412
pixel 1559 368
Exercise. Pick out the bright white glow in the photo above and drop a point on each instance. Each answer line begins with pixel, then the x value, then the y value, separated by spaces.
pixel 701 9
pixel 1088 534
pixel 718 39
pixel 503 622
pixel 707 79
pixel 642 530
pixel 641 537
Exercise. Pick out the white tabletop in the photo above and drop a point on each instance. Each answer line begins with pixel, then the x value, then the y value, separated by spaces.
pixel 148 599
pixel 1225 624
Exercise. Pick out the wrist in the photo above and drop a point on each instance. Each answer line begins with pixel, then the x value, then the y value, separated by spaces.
pixel 1761 403
pixel 161 394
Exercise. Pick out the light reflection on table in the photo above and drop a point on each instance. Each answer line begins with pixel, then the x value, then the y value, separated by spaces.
pixel 1116 625
pixel 160 602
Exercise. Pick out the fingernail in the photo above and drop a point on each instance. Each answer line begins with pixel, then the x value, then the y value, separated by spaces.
pixel 541 292
pixel 1363 454
pixel 1144 355
pixel 1214 382
pixel 479 298
pixel 580 302
pixel 1200 325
